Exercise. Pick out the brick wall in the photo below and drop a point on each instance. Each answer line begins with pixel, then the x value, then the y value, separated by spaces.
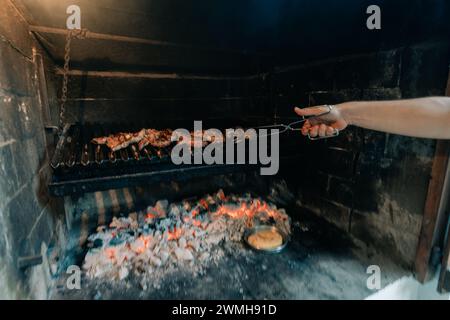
pixel 27 214
pixel 114 99
pixel 369 183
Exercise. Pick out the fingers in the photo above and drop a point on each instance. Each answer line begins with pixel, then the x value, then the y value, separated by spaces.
pixel 309 111
pixel 330 131
pixel 314 127
pixel 305 128
pixel 319 130
pixel 314 131
pixel 322 130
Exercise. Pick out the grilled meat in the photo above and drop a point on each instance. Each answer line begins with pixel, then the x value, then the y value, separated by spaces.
pixel 156 138
pixel 120 140
pixel 159 139
pixel 194 139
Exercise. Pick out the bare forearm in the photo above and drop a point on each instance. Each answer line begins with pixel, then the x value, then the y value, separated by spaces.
pixel 425 117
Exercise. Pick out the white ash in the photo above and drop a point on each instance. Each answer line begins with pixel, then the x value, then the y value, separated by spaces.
pixel 183 236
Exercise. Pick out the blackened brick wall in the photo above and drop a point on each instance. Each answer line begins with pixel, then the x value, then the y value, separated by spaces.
pixel 369 183
pixel 27 214
pixel 166 101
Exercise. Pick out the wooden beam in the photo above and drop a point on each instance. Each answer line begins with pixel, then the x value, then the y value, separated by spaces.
pixel 23 13
pixel 167 99
pixel 120 38
pixel 432 205
pixel 444 277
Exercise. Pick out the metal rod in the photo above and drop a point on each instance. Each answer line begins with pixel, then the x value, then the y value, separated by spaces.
pixel 30 261
pixel 142 178
pixel 152 75
pixel 119 38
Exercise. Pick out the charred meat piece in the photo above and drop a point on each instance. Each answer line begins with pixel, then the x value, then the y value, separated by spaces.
pixel 156 138
pixel 194 139
pixel 161 139
pixel 149 137
pixel 120 140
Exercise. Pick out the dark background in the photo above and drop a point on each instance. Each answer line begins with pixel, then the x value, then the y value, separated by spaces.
pixel 262 33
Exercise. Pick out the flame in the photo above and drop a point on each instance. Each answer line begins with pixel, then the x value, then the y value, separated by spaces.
pixel 195 212
pixel 221 195
pixel 197 223
pixel 145 240
pixel 155 212
pixel 204 203
pixel 110 253
pixel 248 211
pixel 175 234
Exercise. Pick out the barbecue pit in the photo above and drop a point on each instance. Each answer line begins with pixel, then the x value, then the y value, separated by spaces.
pixel 136 225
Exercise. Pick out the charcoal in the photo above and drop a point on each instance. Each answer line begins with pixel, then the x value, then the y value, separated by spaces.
pixel 185 236
pixel 97 243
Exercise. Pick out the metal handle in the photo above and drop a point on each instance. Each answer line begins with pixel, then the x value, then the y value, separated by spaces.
pixel 297 125
pixel 333 135
pixel 330 109
pixel 292 125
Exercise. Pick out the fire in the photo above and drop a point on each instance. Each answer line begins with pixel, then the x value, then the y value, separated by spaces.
pixel 204 203
pixel 175 234
pixel 146 240
pixel 143 244
pixel 247 210
pixel 110 253
pixel 195 212
pixel 196 223
pixel 221 195
pixel 176 238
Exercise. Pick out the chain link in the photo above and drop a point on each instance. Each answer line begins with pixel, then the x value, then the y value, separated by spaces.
pixel 72 34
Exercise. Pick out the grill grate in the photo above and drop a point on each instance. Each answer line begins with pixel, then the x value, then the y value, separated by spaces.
pixel 76 151
pixel 80 166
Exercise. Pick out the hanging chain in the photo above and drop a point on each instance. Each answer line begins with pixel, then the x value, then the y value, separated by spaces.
pixel 78 34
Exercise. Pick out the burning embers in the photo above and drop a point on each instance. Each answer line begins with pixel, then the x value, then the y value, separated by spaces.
pixel 180 236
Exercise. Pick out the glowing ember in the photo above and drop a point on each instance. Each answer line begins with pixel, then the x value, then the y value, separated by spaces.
pixel 245 211
pixel 175 234
pixel 196 223
pixel 195 212
pixel 151 216
pixel 189 235
pixel 110 253
pixel 204 204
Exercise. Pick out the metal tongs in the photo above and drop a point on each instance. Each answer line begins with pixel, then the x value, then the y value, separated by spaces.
pixel 297 125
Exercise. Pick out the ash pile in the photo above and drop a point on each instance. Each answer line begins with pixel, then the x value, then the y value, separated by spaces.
pixel 187 236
